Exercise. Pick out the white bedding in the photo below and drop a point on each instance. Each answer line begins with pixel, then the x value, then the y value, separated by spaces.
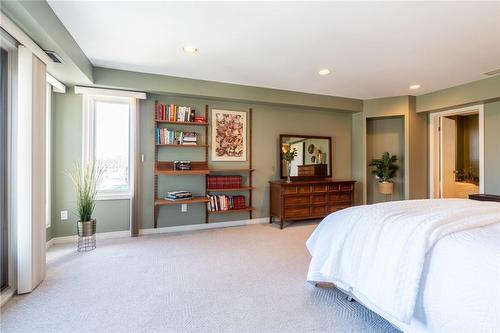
pixel 379 253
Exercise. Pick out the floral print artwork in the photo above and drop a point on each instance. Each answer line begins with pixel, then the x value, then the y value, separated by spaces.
pixel 228 135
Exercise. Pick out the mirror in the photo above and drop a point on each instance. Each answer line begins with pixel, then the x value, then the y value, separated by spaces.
pixel 314 156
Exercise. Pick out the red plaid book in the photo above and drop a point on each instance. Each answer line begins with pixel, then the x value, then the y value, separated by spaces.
pixel 224 182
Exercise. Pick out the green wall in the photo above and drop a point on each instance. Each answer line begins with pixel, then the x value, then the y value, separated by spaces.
pixel 268 122
pixel 492 148
pixel 112 215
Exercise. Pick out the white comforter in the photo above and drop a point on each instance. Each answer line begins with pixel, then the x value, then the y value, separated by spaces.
pixel 378 252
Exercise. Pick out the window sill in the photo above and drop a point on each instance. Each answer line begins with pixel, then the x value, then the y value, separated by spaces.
pixel 104 197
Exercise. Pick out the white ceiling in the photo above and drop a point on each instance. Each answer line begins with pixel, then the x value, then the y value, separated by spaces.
pixel 374 49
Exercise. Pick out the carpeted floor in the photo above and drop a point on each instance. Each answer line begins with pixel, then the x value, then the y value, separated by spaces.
pixel 241 279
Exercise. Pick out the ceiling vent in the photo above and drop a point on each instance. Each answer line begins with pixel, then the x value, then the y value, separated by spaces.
pixel 54 56
pixel 494 72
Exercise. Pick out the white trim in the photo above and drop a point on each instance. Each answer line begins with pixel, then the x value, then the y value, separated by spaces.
pixel 23 38
pixel 99 236
pixel 180 228
pixel 57 86
pixel 204 226
pixel 48 155
pixel 109 92
pixel 6 295
pixel 473 109
pixel 103 196
pixel 49 243
pixel 88 144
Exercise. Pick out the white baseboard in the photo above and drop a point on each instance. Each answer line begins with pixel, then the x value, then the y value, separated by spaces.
pixel 204 226
pixel 49 243
pixel 180 228
pixel 6 295
pixel 99 235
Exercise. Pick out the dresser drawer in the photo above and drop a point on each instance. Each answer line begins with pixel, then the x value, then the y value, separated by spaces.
pixel 296 200
pixel 346 187
pixel 292 213
pixel 339 197
pixel 318 210
pixel 297 189
pixel 333 187
pixel 318 199
pixel 320 188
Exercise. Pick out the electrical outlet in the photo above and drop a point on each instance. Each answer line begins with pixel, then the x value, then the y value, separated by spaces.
pixel 64 215
pixel 184 208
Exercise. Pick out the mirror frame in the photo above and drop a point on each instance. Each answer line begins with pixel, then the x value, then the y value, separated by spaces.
pixel 329 138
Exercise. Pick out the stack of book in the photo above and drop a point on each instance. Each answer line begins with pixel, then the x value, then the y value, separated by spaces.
pixel 200 119
pixel 168 136
pixel 225 202
pixel 224 182
pixel 174 112
pixel 189 138
pixel 179 195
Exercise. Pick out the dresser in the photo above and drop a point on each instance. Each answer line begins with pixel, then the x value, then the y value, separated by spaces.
pixel 308 199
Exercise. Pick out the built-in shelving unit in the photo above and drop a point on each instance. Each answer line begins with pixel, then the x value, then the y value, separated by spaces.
pixel 166 168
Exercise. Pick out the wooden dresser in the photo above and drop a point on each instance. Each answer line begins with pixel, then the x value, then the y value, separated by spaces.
pixel 310 199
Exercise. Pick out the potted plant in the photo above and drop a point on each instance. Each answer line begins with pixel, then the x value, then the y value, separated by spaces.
pixel 289 155
pixel 385 170
pixel 86 180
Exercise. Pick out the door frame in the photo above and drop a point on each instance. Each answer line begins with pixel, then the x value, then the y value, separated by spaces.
pixel 433 145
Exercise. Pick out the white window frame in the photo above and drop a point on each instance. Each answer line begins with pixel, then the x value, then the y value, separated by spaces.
pixel 90 97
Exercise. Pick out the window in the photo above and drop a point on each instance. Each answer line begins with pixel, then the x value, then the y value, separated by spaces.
pixel 109 139
pixel 108 143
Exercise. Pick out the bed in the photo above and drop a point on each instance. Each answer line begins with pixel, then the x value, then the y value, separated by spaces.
pixel 424 265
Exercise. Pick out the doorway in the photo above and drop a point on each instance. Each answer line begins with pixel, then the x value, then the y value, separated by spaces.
pixel 456 148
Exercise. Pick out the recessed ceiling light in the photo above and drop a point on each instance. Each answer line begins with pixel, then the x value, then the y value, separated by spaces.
pixel 414 86
pixel 324 71
pixel 189 49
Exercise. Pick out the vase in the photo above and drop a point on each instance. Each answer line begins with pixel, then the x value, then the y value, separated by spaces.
pixel 289 169
pixel 386 187
pixel 86 235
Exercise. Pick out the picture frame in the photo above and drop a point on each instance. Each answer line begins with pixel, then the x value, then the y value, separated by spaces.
pixel 229 136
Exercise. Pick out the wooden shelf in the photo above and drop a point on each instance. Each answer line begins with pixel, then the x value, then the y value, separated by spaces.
pixel 180 145
pixel 246 209
pixel 181 172
pixel 186 123
pixel 167 168
pixel 243 188
pixel 194 200
pixel 231 170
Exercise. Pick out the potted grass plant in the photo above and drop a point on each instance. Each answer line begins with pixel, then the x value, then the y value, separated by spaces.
pixel 86 179
pixel 385 170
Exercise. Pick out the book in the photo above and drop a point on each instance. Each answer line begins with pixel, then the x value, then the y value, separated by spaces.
pixel 178 199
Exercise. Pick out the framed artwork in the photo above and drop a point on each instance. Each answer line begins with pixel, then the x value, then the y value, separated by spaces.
pixel 229 135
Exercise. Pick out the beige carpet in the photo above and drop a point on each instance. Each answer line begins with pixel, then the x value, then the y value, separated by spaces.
pixel 241 279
